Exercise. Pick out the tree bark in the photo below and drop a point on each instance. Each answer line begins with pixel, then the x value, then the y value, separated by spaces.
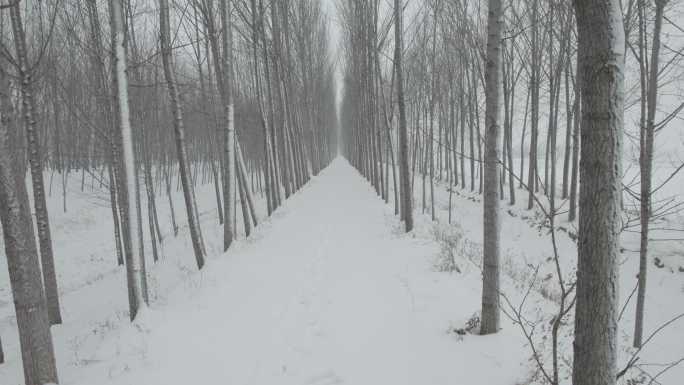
pixel 601 59
pixel 134 263
pixel 242 170
pixel 492 226
pixel 229 133
pixel 30 113
pixel 405 189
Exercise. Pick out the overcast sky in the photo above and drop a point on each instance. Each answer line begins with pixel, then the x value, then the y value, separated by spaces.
pixel 335 36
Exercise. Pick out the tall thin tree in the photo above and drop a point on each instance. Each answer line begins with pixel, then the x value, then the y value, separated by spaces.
pixel 405 183
pixel 647 138
pixel 227 74
pixel 492 226
pixel 134 265
pixel 179 132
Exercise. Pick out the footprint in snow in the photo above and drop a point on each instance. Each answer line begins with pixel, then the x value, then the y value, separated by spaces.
pixel 328 377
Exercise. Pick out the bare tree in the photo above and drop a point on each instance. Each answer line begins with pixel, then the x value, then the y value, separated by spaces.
pixel 134 264
pixel 532 182
pixel 104 109
pixel 179 132
pixel 646 140
pixel 406 195
pixel 229 133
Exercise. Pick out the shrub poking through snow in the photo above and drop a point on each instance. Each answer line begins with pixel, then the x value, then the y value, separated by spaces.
pixel 472 326
pixel 449 239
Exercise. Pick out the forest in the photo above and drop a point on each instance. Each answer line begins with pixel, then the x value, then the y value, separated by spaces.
pixel 341 191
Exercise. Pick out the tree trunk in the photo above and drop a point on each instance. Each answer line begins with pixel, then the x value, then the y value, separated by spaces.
pixel 167 177
pixel 405 189
pixel 35 161
pixel 471 130
pixel 151 204
pixel 601 59
pixel 229 133
pixel 433 95
pixel 492 226
pixel 105 113
pixel 572 211
pixel 242 188
pixel 568 129
pixel 243 172
pixel 22 257
pixel 134 261
pixel 179 130
pixel 646 167
pixel 462 116
pixel 534 102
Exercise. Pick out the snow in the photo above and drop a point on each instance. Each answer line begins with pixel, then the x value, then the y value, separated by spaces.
pixel 526 245
pixel 328 290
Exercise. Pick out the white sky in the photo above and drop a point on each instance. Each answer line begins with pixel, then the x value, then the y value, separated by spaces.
pixel 335 41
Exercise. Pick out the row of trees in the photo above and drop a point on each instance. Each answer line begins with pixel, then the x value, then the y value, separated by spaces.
pixel 243 91
pixel 467 85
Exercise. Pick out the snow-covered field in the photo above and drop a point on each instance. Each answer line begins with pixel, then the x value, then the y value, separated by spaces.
pixel 329 290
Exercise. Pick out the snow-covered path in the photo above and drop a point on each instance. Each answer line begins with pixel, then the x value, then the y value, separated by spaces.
pixel 329 291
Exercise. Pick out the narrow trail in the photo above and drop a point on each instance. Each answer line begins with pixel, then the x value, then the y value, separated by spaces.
pixel 329 291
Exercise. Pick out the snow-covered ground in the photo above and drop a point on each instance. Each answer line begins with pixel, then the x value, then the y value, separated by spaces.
pixel 526 246
pixel 92 287
pixel 329 290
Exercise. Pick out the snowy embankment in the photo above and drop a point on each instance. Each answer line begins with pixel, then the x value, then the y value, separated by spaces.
pixel 92 287
pixel 526 246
